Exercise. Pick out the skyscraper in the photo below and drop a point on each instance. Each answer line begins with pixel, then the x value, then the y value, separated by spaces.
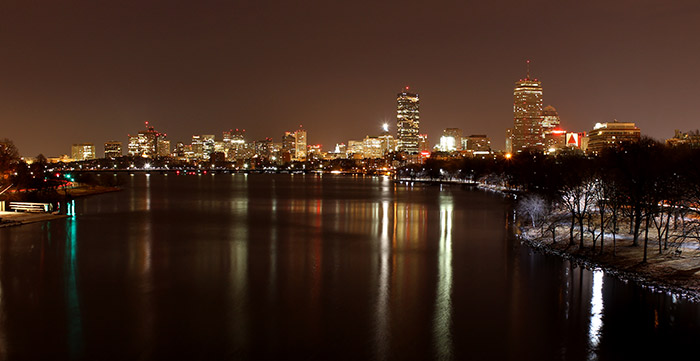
pixel 300 145
pixel 407 122
pixel 288 147
pixel 527 114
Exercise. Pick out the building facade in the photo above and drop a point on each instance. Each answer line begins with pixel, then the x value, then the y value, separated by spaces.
pixel 408 122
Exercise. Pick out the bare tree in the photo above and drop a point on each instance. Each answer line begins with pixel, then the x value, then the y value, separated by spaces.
pixel 534 207
pixel 577 198
pixel 9 157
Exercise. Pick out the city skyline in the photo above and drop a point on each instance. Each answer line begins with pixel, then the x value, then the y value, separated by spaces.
pixel 94 72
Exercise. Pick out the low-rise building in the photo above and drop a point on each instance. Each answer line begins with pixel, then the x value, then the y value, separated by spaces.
pixel 692 139
pixel 611 134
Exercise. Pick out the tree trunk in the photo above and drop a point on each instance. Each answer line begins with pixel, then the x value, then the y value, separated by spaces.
pixel 646 238
pixel 602 229
pixel 571 230
pixel 659 231
pixel 637 225
pixel 580 227
pixel 667 230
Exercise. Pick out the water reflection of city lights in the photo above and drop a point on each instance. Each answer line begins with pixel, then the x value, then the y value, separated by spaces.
pixel 596 313
pixel 443 296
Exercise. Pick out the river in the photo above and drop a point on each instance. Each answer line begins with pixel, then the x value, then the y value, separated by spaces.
pixel 262 266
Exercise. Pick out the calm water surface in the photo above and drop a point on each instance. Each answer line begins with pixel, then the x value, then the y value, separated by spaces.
pixel 309 267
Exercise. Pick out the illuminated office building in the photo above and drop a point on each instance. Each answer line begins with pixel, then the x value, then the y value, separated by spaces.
pixel 83 151
pixel 113 149
pixel 145 144
pixel 208 143
pixel 372 148
pixel 300 145
pixel 691 139
pixel 478 144
pixel 527 114
pixel 552 134
pixel 389 143
pixel 408 122
pixel 451 140
pixel 234 144
pixel 355 149
pixel 613 134
pixel 288 150
pixel 163 146
pixel 423 145
pixel 197 147
pixel 550 118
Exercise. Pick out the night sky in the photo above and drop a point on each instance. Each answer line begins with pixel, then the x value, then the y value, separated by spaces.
pixel 91 71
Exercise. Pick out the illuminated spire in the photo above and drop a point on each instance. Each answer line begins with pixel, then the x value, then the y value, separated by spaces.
pixel 528 69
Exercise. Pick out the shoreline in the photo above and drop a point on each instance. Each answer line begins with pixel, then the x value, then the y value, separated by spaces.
pixel 665 273
pixel 84 191
pixel 12 219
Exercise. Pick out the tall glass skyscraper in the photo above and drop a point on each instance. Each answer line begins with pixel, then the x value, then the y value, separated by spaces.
pixel 527 114
pixel 407 122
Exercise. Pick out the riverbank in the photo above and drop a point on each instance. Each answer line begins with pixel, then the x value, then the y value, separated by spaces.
pixel 84 191
pixel 10 219
pixel 676 270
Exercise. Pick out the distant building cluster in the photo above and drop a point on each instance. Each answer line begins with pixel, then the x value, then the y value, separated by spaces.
pixel 535 128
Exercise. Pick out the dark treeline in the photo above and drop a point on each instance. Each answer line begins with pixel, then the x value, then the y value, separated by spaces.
pixel 36 182
pixel 646 189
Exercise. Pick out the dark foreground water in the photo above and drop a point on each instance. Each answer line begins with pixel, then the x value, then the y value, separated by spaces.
pixel 305 267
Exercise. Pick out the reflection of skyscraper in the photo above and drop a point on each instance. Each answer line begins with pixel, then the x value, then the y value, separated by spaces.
pixel 408 122
pixel 527 114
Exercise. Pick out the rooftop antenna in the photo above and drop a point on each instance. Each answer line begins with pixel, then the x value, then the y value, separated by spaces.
pixel 528 69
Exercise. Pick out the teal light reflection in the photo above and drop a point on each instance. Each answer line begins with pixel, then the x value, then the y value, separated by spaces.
pixel 74 319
